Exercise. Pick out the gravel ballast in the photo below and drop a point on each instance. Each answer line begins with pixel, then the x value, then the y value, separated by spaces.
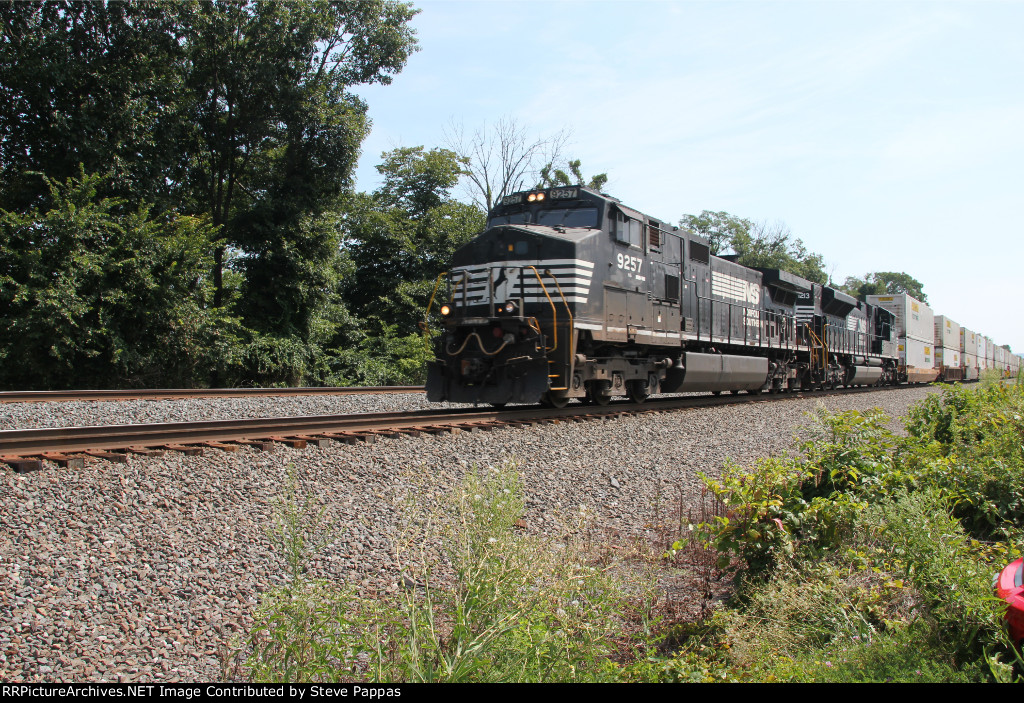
pixel 145 571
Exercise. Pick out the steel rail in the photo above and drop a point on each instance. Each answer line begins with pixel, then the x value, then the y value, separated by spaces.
pixel 39 441
pixel 179 393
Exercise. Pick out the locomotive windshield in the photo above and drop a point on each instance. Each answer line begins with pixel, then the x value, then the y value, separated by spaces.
pixel 515 218
pixel 568 217
pixel 556 217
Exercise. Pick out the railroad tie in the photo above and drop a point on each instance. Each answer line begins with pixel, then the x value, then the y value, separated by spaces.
pixel 64 460
pixel 145 451
pixel 229 448
pixel 292 442
pixel 22 465
pixel 319 441
pixel 260 445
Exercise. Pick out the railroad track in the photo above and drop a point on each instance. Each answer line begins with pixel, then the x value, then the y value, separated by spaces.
pixel 26 450
pixel 178 393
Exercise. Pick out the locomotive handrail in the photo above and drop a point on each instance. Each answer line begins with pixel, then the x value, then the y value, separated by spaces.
pixel 572 334
pixel 554 312
pixel 572 323
pixel 821 344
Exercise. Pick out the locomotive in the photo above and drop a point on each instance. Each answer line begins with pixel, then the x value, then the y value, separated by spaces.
pixel 569 294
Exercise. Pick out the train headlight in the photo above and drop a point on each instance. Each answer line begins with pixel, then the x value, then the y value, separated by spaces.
pixel 445 311
pixel 531 197
pixel 540 196
pixel 510 307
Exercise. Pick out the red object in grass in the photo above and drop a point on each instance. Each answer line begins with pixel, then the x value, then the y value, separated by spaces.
pixel 1009 588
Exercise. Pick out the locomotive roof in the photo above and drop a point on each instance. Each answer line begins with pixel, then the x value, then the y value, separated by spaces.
pixel 556 194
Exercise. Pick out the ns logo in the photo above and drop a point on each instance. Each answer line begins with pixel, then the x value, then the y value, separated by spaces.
pixel 753 293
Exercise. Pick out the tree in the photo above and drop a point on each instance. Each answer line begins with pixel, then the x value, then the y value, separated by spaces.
pixel 772 246
pixel 237 114
pixel 719 228
pixel 757 243
pixel 91 84
pixel 501 159
pixel 551 176
pixel 885 283
pixel 403 235
pixel 98 294
pixel 277 129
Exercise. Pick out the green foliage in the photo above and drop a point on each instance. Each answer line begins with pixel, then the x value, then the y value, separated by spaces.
pixel 756 244
pixel 101 294
pixel 382 358
pixel 719 228
pixel 509 608
pixel 403 236
pixel 884 283
pixel 974 438
pixel 773 247
pixel 860 556
pixel 808 502
pixel 91 84
pixel 551 176
pixel 230 118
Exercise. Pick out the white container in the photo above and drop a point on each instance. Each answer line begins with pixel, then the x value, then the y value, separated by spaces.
pixel 982 353
pixel 918 359
pixel 970 366
pixel 946 357
pixel 990 351
pixel 914 319
pixel 947 333
pixel 968 341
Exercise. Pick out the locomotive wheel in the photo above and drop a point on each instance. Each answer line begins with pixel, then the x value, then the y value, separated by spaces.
pixel 594 394
pixel 637 391
pixel 552 401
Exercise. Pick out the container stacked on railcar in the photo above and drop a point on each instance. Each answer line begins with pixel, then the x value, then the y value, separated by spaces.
pixel 947 349
pixel 915 329
pixel 969 354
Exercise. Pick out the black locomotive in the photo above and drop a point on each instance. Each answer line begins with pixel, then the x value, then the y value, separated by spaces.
pixel 570 294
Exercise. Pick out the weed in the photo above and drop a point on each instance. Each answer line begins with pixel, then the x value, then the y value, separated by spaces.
pixel 490 603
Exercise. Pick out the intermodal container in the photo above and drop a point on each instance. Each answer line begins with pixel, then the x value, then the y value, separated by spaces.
pixel 968 341
pixel 914 319
pixel 946 357
pixel 947 333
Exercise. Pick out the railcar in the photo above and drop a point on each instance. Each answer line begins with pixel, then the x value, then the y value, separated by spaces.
pixel 570 294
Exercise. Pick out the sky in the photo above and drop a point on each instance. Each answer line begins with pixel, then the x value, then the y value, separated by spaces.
pixel 888 136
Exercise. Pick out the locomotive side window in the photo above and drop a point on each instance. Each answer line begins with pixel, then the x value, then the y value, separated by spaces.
pixel 628 230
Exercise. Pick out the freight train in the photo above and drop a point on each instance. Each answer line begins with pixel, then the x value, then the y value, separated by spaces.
pixel 569 294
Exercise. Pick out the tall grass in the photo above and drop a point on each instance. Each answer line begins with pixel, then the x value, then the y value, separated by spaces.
pixel 480 600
